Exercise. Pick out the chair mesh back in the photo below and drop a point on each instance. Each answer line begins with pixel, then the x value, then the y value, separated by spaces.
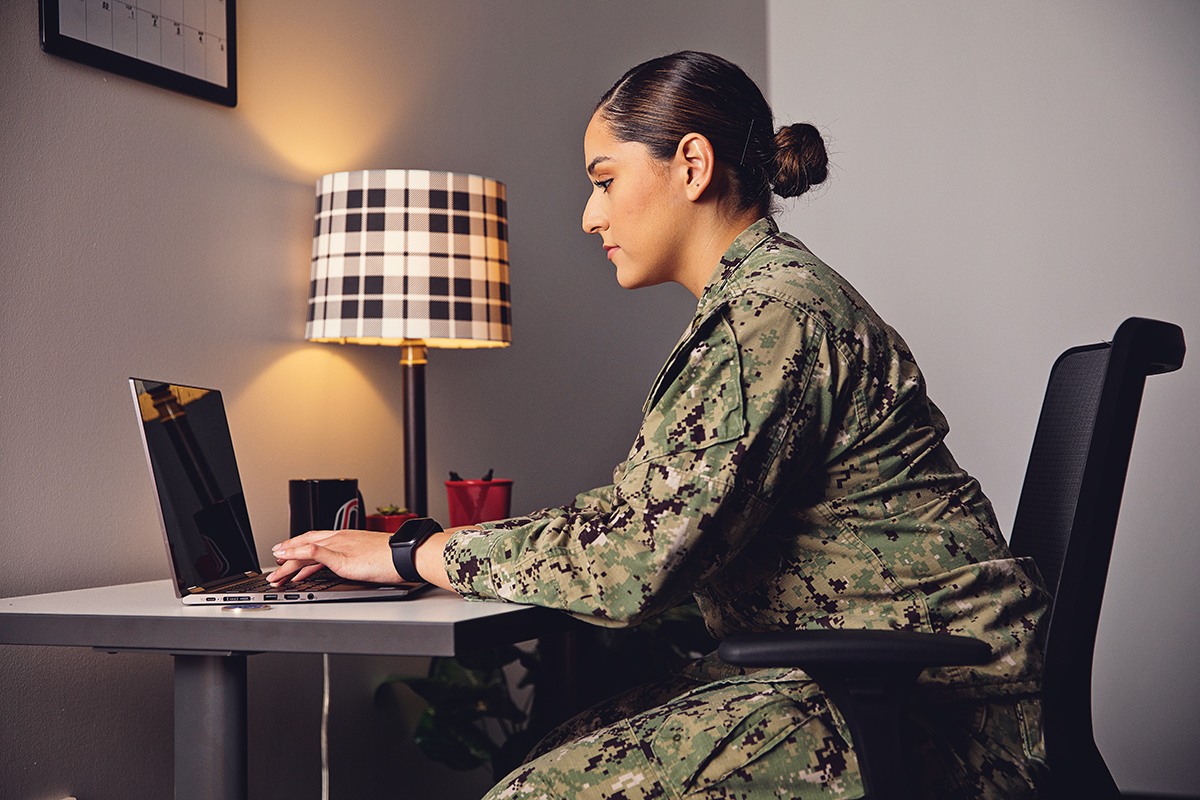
pixel 1046 511
pixel 1067 519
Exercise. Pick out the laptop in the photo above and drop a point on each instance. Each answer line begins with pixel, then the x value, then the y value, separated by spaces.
pixel 202 510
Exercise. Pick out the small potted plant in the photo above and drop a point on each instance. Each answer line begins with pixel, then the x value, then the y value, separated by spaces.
pixel 389 519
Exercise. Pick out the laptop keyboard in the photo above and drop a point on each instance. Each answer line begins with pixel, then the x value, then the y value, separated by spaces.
pixel 259 584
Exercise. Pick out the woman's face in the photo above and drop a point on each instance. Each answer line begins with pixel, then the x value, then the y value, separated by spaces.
pixel 634 207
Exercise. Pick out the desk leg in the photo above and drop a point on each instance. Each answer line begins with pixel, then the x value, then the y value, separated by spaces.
pixel 559 695
pixel 210 727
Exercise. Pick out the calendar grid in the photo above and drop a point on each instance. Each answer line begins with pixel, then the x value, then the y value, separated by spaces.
pixel 185 36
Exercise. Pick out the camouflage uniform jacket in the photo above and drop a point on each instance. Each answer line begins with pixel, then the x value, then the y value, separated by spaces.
pixel 790 472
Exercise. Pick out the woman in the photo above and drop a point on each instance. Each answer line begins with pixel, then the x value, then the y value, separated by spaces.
pixel 790 472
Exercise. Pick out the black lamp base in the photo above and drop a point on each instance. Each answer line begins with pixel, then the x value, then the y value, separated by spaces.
pixel 416 481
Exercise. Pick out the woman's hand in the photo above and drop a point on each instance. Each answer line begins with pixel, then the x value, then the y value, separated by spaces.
pixel 357 555
pixel 353 554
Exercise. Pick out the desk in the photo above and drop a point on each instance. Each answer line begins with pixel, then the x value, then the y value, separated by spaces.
pixel 210 646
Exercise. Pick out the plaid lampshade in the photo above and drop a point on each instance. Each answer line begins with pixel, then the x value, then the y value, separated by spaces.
pixel 409 256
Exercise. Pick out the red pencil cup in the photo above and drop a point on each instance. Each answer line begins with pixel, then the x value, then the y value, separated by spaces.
pixel 472 502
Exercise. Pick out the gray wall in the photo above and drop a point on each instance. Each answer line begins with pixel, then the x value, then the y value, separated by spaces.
pixel 1012 179
pixel 151 234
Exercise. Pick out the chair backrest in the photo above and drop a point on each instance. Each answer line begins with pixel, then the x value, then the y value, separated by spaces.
pixel 1067 517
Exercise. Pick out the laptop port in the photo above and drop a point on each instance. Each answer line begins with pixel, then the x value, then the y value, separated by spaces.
pixel 270 597
pixel 291 597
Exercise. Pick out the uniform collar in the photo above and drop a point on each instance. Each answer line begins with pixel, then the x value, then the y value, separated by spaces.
pixel 746 243
pixel 716 291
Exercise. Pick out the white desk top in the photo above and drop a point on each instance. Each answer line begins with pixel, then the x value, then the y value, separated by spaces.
pixel 148 616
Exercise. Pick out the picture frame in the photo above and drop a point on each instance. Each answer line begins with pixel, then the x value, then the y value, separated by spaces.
pixel 187 46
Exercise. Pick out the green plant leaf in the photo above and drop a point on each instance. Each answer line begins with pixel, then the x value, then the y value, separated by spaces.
pixel 467 701
pixel 491 659
pixel 456 745
pixel 468 693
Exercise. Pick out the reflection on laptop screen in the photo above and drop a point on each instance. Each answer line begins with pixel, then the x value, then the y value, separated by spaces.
pixel 196 477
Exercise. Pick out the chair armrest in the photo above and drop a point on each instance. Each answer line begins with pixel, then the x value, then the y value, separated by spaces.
pixel 885 648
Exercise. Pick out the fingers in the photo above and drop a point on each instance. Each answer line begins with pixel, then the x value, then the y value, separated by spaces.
pixel 354 554
pixel 282 573
pixel 297 557
pixel 288 551
pixel 301 548
pixel 306 571
pixel 297 562
pixel 290 569
pixel 312 537
pixel 294 571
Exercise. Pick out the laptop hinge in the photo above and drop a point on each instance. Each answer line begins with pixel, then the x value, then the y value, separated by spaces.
pixel 217 586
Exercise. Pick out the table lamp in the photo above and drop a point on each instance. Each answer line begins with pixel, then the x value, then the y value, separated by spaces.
pixel 414 259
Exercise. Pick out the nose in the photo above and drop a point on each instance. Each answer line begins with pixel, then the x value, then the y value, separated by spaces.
pixel 593 220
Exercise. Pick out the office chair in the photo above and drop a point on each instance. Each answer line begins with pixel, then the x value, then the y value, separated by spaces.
pixel 1066 520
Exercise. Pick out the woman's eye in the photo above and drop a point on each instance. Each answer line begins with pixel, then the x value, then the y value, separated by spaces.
pixel 603 184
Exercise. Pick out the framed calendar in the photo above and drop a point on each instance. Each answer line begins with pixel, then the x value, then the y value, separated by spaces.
pixel 188 46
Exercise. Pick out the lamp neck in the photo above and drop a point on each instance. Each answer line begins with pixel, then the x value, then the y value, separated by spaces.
pixel 413 354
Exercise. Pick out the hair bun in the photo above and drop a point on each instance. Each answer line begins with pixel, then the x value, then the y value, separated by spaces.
pixel 801 161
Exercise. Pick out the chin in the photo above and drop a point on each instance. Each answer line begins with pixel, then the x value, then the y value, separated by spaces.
pixel 629 280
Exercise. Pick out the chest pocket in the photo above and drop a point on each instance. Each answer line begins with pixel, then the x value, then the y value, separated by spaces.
pixel 697 400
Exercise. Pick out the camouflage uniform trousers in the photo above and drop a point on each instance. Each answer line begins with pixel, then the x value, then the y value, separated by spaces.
pixel 745 739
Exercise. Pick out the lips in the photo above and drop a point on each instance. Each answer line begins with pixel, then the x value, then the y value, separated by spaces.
pixel 609 249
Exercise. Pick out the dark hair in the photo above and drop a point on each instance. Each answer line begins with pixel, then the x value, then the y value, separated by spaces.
pixel 661 101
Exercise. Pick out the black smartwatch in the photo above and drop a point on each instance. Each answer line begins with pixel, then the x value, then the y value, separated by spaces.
pixel 405 542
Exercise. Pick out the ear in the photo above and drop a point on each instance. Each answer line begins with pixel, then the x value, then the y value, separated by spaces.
pixel 695 162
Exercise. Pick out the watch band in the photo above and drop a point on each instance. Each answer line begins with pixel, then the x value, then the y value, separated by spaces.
pixel 405 542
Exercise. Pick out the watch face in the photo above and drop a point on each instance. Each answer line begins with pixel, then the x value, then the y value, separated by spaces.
pixel 416 529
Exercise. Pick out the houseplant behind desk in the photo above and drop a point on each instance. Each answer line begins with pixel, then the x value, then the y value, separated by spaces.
pixel 496 705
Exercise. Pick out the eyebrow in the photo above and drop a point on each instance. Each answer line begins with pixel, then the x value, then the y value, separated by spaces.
pixel 591 168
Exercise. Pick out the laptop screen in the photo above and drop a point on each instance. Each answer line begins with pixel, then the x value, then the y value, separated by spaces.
pixel 187 441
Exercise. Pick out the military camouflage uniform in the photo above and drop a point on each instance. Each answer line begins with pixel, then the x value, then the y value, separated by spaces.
pixel 790 472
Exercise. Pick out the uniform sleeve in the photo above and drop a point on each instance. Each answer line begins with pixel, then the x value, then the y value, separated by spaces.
pixel 728 420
